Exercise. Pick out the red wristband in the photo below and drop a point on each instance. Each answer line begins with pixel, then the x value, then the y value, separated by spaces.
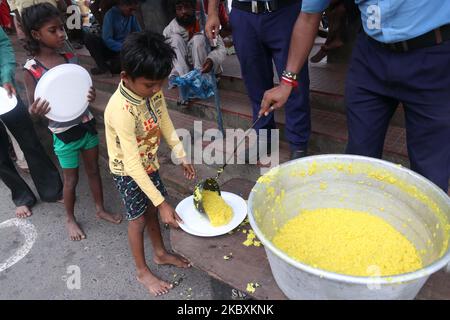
pixel 289 82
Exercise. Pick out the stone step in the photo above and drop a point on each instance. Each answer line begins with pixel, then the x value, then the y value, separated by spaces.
pixel 329 133
pixel 329 129
pixel 327 97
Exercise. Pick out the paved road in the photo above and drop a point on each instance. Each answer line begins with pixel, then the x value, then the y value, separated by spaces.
pixel 104 261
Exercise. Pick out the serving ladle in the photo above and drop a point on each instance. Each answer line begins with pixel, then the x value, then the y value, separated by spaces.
pixel 211 184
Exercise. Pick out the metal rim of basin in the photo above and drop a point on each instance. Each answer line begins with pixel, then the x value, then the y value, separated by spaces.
pixel 406 277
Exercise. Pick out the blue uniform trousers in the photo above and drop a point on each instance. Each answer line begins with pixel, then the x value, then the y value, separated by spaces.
pixel 260 39
pixel 378 79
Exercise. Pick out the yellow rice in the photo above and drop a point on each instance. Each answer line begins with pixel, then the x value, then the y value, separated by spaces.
pixel 347 242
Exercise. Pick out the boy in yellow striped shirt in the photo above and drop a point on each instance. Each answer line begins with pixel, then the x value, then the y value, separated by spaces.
pixel 135 119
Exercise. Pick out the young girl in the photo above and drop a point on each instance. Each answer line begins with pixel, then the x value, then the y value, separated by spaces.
pixel 45 37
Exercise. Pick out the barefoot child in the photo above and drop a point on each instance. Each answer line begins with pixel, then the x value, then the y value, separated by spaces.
pixel 45 37
pixel 135 119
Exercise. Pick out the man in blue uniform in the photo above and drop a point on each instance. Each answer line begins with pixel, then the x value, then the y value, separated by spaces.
pixel 403 55
pixel 261 35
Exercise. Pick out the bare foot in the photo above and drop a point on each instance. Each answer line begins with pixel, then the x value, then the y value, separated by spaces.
pixel 172 259
pixel 110 217
pixel 75 232
pixel 154 285
pixel 23 212
pixel 60 200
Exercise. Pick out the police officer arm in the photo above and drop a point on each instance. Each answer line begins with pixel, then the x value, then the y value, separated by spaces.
pixel 302 41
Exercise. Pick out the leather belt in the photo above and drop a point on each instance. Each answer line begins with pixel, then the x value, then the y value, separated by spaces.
pixel 258 7
pixel 429 39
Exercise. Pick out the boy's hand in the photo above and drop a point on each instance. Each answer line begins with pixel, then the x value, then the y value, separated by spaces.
pixel 9 89
pixel 39 107
pixel 168 215
pixel 92 95
pixel 189 171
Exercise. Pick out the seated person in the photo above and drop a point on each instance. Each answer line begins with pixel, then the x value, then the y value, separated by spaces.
pixel 118 22
pixel 189 42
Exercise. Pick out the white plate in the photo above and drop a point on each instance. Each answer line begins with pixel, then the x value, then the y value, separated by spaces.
pixel 6 103
pixel 198 225
pixel 66 88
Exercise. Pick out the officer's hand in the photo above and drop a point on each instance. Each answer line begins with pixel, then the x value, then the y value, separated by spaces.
pixel 9 89
pixel 274 98
pixel 212 26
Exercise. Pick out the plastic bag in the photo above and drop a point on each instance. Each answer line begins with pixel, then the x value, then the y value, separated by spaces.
pixel 194 85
